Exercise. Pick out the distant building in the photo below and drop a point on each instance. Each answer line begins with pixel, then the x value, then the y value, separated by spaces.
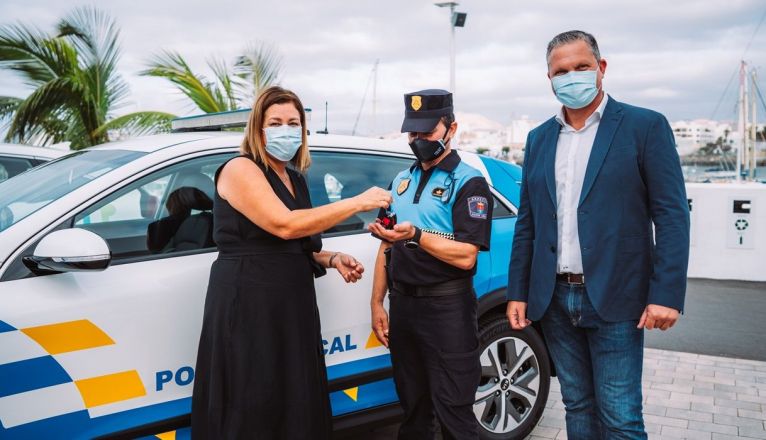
pixel 692 135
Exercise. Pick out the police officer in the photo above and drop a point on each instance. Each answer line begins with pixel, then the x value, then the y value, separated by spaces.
pixel 427 261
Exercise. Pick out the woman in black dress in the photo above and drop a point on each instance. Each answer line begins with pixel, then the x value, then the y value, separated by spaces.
pixel 260 366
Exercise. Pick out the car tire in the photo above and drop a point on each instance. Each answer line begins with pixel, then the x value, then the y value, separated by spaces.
pixel 515 380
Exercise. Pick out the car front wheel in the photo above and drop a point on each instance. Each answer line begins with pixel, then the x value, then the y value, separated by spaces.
pixel 515 379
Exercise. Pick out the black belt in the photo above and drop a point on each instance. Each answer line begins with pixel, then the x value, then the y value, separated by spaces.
pixel 571 278
pixel 452 287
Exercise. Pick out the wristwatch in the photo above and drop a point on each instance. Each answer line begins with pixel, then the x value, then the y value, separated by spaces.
pixel 414 242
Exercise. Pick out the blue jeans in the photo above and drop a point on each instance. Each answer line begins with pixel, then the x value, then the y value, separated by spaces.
pixel 598 364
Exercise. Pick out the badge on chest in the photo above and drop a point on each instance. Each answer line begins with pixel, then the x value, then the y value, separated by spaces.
pixel 403 185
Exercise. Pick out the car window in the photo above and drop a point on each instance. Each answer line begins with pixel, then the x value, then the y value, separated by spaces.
pixel 165 213
pixel 11 166
pixel 31 191
pixel 338 176
pixel 500 210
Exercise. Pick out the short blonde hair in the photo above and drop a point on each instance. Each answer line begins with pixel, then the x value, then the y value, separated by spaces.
pixel 254 143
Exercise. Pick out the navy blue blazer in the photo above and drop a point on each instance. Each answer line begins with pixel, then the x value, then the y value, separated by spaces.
pixel 633 179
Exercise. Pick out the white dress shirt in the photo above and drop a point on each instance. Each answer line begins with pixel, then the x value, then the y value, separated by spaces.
pixel 572 154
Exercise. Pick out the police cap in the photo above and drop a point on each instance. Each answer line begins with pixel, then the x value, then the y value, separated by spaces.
pixel 424 109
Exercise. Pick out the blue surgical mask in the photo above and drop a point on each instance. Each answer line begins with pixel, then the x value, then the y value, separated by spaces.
pixel 576 89
pixel 283 142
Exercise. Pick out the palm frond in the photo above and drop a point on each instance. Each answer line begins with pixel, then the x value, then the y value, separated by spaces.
pixel 41 104
pixel 173 67
pixel 259 66
pixel 95 36
pixel 8 105
pixel 226 84
pixel 36 57
pixel 139 123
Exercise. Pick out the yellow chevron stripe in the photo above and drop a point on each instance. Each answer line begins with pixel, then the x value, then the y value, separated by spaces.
pixel 353 393
pixel 167 435
pixel 68 336
pixel 111 388
pixel 372 342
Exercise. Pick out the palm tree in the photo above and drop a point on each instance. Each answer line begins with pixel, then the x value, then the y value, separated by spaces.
pixel 75 83
pixel 231 86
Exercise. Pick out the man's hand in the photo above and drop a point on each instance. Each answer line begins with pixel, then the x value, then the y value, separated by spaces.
pixel 401 231
pixel 517 314
pixel 380 323
pixel 348 267
pixel 656 316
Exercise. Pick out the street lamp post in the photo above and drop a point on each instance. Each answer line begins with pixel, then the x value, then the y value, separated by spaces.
pixel 457 19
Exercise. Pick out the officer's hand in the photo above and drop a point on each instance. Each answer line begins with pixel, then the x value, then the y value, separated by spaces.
pixel 657 316
pixel 380 323
pixel 516 311
pixel 348 267
pixel 373 198
pixel 401 231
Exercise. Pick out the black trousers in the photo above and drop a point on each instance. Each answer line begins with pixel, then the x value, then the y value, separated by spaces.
pixel 434 351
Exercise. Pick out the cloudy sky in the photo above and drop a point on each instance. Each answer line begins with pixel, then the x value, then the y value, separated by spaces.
pixel 673 56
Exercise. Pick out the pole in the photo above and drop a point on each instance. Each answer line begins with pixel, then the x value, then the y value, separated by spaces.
pixel 375 96
pixel 741 122
pixel 452 49
pixel 753 127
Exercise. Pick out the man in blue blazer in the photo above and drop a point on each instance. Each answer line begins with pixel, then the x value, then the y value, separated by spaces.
pixel 586 261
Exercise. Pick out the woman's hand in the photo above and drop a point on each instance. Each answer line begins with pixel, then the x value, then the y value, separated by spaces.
pixel 348 267
pixel 373 198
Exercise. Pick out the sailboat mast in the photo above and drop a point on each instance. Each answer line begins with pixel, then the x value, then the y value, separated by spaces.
pixel 753 125
pixel 741 121
pixel 375 95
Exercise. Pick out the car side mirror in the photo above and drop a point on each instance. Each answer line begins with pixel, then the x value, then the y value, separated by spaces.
pixel 69 250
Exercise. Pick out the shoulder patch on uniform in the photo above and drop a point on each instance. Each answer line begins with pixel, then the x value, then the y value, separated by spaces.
pixel 477 207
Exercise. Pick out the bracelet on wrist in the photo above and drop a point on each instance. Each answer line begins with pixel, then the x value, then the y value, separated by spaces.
pixel 332 257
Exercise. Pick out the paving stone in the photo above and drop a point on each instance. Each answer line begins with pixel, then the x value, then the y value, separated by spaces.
pixel 666 421
pixel 656 410
pixel 713 393
pixel 713 427
pixel 753 432
pixel 689 415
pixel 670 403
pixel 544 432
pixel 691 398
pixel 746 413
pixel 686 433
pixel 738 404
pixel 709 407
pixel 723 419
pixel 736 389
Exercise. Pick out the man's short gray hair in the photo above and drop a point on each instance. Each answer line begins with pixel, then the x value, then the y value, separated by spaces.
pixel 570 37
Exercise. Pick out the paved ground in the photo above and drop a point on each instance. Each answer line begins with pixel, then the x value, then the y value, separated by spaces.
pixel 722 318
pixel 686 396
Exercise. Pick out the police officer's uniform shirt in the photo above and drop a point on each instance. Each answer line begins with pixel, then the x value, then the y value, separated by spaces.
pixel 451 199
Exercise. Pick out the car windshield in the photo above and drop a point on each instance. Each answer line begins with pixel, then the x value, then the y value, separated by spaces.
pixel 28 192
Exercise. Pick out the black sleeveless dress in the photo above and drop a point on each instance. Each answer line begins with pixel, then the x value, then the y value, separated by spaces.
pixel 260 366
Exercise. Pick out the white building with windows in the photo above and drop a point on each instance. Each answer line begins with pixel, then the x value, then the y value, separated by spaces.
pixel 691 135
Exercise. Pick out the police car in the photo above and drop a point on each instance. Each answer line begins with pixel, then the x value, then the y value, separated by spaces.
pixel 15 159
pixel 100 314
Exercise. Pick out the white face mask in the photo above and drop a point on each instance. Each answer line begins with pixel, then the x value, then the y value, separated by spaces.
pixel 284 141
